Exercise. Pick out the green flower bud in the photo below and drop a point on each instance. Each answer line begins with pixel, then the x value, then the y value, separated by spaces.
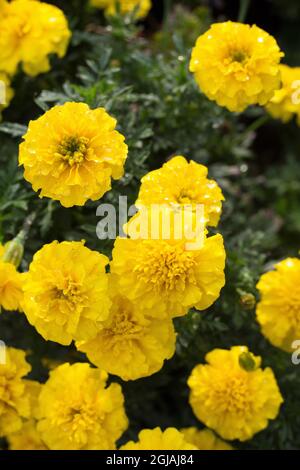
pixel 247 361
pixel 14 249
pixel 248 301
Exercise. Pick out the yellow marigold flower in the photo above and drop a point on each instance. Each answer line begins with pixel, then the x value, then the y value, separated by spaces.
pixel 236 65
pixel 156 439
pixel 14 399
pixel 180 183
pixel 204 439
pixel 11 287
pixel 232 395
pixel 89 416
pixel 66 292
pixel 6 92
pixel 27 438
pixel 126 6
pixel 166 277
pixel 286 101
pixel 278 311
pixel 131 344
pixel 30 31
pixel 73 160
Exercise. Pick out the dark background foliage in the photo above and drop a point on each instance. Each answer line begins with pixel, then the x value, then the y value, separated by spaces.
pixel 140 75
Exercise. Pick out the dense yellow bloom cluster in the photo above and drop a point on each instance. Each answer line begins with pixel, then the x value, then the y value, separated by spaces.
pixel 179 182
pixel 131 344
pixel 73 160
pixel 66 292
pixel 14 399
pixel 236 65
pixel 142 7
pixel 156 439
pixel 232 395
pixel 30 31
pixel 77 411
pixel 278 311
pixel 204 439
pixel 286 101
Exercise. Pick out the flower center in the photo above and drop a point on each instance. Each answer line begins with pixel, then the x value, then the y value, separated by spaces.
pixel 77 419
pixel 124 324
pixel 232 395
pixel 64 299
pixel 70 291
pixel 73 149
pixel 239 56
pixel 21 27
pixel 185 197
pixel 167 268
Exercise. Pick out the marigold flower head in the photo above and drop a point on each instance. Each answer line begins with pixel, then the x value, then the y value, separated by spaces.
pixel 204 439
pixel 66 292
pixel 90 416
pixel 130 344
pixel 278 311
pixel 236 65
pixel 181 183
pixel 286 101
pixel 156 439
pixel 14 399
pixel 126 6
pixel 11 287
pixel 73 160
pixel 234 400
pixel 30 31
pixel 27 438
pixel 165 277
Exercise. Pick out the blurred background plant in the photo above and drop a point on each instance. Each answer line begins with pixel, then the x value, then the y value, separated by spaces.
pixel 139 73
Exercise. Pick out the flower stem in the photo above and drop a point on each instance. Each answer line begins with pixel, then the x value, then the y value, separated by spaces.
pixel 167 10
pixel 23 234
pixel 259 122
pixel 244 5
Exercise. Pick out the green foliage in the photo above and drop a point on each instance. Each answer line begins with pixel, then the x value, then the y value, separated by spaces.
pixel 146 85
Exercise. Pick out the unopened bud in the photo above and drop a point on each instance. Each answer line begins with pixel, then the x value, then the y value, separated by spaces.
pixel 14 249
pixel 247 361
pixel 248 301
